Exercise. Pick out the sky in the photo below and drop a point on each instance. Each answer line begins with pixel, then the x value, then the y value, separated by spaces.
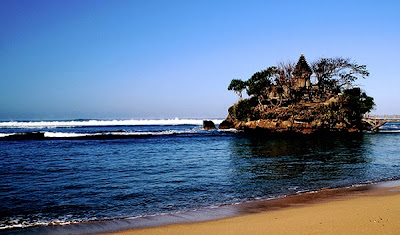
pixel 165 59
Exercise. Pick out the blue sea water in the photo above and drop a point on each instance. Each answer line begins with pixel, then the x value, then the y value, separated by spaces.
pixel 75 171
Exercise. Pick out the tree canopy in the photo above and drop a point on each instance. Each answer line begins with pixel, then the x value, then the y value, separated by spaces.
pixel 338 73
pixel 357 103
pixel 260 80
pixel 285 73
pixel 335 74
pixel 237 86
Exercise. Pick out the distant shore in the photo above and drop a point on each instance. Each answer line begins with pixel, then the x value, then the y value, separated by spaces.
pixel 363 210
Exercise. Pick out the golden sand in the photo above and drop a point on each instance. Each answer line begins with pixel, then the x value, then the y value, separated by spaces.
pixel 368 214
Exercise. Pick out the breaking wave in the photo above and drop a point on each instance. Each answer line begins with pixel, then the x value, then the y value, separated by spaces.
pixel 116 133
pixel 99 135
pixel 85 123
pixel 6 134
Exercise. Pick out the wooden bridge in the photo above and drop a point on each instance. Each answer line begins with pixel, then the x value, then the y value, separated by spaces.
pixel 376 121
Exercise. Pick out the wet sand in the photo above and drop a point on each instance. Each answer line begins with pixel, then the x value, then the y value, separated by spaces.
pixel 359 210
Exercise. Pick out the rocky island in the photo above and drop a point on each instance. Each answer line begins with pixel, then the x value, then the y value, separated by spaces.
pixel 299 98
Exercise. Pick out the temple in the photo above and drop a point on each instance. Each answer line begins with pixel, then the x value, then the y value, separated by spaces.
pixel 300 89
pixel 302 73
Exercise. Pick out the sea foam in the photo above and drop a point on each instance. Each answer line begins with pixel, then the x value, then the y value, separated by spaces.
pixel 112 134
pixel 117 133
pixel 67 135
pixel 143 122
pixel 6 134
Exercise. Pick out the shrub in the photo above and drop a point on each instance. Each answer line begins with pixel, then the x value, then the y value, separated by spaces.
pixel 357 103
pixel 243 110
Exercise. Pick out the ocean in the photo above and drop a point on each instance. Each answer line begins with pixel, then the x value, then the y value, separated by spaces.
pixel 63 172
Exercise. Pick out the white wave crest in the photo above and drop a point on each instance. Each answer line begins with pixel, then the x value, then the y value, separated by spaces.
pixel 6 134
pixel 118 133
pixel 113 133
pixel 67 135
pixel 54 124
pixel 232 130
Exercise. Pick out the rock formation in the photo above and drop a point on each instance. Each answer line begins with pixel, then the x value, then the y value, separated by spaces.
pixel 228 123
pixel 297 106
pixel 299 118
pixel 208 125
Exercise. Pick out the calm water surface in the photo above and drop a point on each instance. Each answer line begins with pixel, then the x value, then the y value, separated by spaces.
pixel 74 175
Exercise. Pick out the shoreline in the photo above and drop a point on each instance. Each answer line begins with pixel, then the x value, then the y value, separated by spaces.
pixel 372 209
pixel 163 223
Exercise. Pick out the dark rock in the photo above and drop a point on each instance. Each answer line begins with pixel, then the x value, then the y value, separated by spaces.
pixel 26 136
pixel 208 125
pixel 226 124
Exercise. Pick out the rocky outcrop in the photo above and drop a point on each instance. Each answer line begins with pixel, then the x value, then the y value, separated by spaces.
pixel 228 123
pixel 304 117
pixel 25 136
pixel 291 125
pixel 208 125
pixel 283 99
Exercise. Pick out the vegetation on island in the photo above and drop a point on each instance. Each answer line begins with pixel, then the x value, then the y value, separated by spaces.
pixel 302 97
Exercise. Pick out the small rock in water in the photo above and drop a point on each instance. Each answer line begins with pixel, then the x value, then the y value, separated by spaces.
pixel 208 125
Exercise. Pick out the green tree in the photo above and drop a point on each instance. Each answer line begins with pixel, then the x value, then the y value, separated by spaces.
pixel 243 110
pixel 237 86
pixel 261 80
pixel 357 103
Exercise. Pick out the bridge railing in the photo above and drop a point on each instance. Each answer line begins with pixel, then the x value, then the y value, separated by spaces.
pixel 382 117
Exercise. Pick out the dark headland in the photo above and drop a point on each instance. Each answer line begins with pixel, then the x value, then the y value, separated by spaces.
pixel 302 98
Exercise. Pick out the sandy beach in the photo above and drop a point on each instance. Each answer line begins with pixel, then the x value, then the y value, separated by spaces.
pixel 375 212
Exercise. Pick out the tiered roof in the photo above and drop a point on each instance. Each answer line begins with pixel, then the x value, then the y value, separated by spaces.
pixel 302 67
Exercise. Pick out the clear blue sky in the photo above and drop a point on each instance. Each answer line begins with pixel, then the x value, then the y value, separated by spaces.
pixel 166 59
